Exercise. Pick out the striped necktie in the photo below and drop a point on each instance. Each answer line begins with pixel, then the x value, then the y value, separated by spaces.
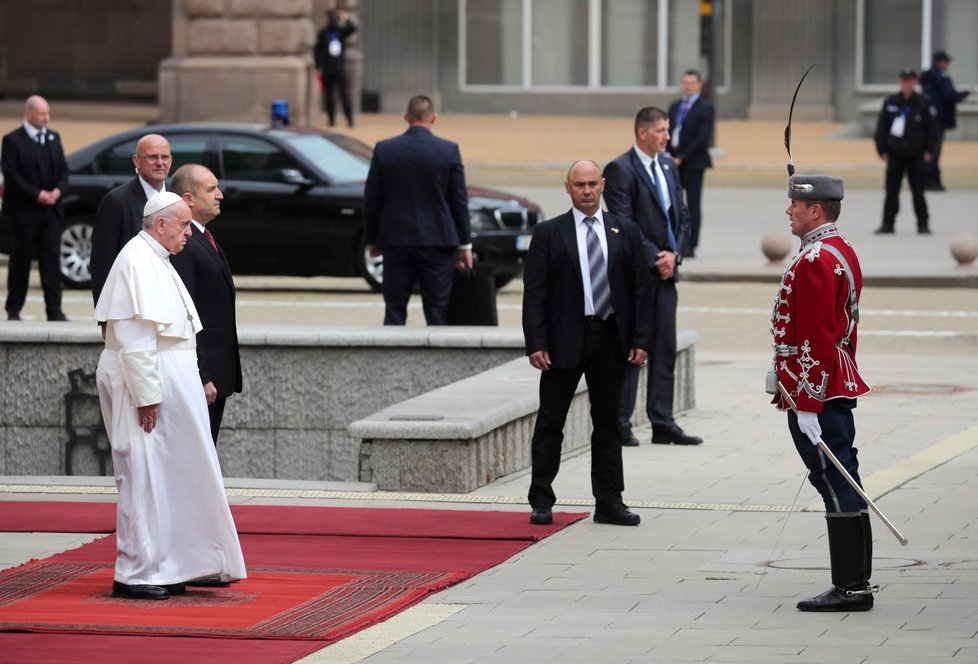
pixel 600 291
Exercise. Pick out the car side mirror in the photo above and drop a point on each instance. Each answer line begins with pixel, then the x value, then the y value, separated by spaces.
pixel 295 176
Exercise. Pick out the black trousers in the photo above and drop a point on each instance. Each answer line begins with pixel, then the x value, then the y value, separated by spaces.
pixel 660 392
pixel 336 81
pixel 433 268
pixel 216 413
pixel 692 181
pixel 839 434
pixel 603 367
pixel 895 168
pixel 933 167
pixel 39 238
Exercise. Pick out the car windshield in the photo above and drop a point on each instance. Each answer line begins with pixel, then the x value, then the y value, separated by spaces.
pixel 340 158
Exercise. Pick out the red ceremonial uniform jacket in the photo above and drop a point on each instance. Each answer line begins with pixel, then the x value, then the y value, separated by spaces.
pixel 814 322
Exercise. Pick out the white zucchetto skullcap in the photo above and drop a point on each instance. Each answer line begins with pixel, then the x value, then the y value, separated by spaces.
pixel 160 201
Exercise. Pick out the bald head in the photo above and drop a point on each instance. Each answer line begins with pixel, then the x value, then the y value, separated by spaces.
pixel 153 159
pixel 37 112
pixel 585 184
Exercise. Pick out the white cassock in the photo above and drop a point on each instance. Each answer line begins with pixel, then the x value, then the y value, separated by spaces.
pixel 173 523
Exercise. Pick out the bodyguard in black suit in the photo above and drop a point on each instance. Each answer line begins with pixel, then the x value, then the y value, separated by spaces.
pixel 586 311
pixel 691 119
pixel 35 176
pixel 416 214
pixel 642 185
pixel 119 216
pixel 207 276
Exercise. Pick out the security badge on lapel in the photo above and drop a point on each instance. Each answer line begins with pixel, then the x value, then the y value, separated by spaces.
pixel 615 230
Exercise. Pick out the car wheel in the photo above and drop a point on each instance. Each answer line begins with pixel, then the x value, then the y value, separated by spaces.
pixel 76 253
pixel 372 268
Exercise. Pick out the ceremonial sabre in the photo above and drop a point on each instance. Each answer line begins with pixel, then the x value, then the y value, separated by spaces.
pixel 845 473
pixel 787 129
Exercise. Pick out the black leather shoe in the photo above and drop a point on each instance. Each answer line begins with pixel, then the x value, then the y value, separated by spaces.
pixel 542 516
pixel 175 588
pixel 923 230
pixel 208 583
pixel 839 599
pixel 673 435
pixel 57 315
pixel 618 515
pixel 629 440
pixel 884 230
pixel 127 591
pixel 13 315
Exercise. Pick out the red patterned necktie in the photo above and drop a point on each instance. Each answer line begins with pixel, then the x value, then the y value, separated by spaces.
pixel 210 238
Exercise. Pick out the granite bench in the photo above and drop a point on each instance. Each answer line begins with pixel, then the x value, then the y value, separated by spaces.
pixel 461 436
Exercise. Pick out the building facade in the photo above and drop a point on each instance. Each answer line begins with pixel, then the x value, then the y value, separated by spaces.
pixel 614 56
pixel 577 57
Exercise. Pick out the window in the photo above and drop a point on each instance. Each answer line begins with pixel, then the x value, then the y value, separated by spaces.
pixel 891 34
pixel 340 158
pixel 255 160
pixel 904 33
pixel 494 31
pixel 533 44
pixel 953 30
pixel 187 149
pixel 629 54
pixel 118 160
pixel 559 42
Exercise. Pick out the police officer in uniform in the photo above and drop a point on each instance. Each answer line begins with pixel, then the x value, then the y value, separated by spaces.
pixel 939 90
pixel 906 136
pixel 814 322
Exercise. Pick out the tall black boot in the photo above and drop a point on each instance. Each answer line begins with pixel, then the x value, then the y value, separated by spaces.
pixel 850 558
pixel 868 539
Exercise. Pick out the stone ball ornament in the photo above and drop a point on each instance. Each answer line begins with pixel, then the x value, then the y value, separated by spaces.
pixel 776 246
pixel 964 248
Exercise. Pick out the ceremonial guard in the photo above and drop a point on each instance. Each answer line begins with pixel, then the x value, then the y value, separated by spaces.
pixel 814 323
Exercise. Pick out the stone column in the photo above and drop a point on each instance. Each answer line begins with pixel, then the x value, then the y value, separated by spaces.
pixel 231 58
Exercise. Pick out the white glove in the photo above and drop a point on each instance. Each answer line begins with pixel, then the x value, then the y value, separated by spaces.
pixel 808 423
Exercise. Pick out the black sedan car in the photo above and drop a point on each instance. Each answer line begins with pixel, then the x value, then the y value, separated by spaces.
pixel 293 201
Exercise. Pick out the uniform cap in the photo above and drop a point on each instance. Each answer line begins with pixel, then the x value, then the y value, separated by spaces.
pixel 908 72
pixel 815 188
pixel 941 55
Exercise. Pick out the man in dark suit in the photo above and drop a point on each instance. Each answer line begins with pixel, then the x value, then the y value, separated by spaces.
pixel 119 216
pixel 35 175
pixel 642 185
pixel 586 311
pixel 416 214
pixel 330 56
pixel 691 119
pixel 207 276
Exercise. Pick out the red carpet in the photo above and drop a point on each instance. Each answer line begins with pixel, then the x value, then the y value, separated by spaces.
pixel 316 575
pixel 72 517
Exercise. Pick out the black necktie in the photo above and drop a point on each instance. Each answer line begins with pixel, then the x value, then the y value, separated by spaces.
pixel 600 292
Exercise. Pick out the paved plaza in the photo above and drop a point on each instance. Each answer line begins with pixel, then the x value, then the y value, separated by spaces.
pixel 732 535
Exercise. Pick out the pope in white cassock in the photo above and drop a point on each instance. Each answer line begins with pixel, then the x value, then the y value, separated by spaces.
pixel 173 521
